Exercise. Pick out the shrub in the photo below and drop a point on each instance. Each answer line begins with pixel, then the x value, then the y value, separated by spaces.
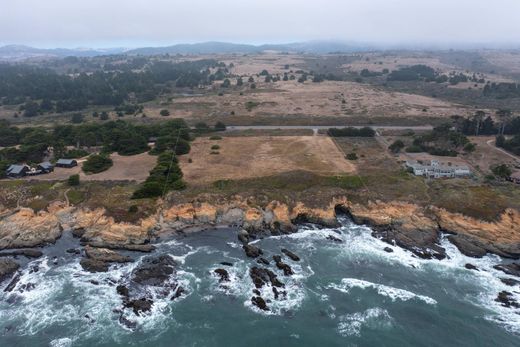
pixel 220 126
pixel 502 170
pixel 215 147
pixel 133 209
pixel 469 147
pixel 250 105
pixel 215 137
pixel 352 132
pixel 97 163
pixel 74 154
pixel 396 146
pixel 214 152
pixel 164 113
pixel 178 185
pixel 414 149
pixel 352 156
pixel 73 180
pixel 148 190
pixel 77 118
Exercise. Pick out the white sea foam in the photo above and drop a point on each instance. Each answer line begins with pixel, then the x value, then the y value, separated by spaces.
pixel 393 293
pixel 63 342
pixel 372 318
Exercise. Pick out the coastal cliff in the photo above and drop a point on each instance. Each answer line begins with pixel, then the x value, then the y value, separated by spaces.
pixel 407 225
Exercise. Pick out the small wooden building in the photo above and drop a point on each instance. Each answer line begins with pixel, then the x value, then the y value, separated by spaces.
pixel 66 163
pixel 17 171
pixel 45 167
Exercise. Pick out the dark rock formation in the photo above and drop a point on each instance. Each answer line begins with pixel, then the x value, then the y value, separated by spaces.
pixel 154 271
pixel 259 302
pixel 506 299
pixel 127 323
pixel 13 283
pixel 290 254
pixel 388 249
pixel 334 239
pixel 262 276
pixel 422 242
pixel 287 271
pixel 263 261
pixel 7 268
pixel 509 281
pixel 93 265
pixel 223 274
pixel 29 253
pixel 225 263
pixel 467 246
pixel 252 251
pixel 471 267
pixel 139 305
pixel 78 233
pixel 510 269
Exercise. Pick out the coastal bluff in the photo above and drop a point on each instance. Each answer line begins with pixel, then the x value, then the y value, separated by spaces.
pixel 405 224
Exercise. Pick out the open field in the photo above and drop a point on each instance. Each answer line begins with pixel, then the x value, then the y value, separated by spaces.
pixel 245 157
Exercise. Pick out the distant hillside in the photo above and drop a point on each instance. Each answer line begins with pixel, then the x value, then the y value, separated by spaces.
pixel 224 47
pixel 20 52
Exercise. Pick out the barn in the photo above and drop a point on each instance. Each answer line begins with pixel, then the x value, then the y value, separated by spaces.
pixel 17 171
pixel 67 163
pixel 45 167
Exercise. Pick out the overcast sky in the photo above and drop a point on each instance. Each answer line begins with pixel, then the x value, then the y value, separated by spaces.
pixel 108 23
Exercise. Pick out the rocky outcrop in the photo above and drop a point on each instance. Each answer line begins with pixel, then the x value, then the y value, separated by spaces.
pixel 407 225
pixel 99 259
pixel 7 268
pixel 475 237
pixel 26 228
pixel 403 224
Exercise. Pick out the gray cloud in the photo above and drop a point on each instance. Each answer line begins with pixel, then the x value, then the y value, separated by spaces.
pixel 138 22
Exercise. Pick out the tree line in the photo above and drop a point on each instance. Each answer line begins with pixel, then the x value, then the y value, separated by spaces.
pixel 41 90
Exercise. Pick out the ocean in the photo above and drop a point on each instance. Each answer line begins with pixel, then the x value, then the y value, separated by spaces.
pixel 349 293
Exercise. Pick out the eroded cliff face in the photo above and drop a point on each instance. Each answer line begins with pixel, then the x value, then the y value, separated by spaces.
pixel 25 228
pixel 475 237
pixel 405 224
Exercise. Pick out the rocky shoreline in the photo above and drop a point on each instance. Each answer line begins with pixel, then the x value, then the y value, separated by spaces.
pixel 406 225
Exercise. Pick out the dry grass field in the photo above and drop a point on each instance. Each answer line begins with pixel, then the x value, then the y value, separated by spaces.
pixel 247 157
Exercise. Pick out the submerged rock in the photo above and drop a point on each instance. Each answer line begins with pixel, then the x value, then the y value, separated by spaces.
pixel 388 250
pixel 470 267
pixel 290 254
pixel 226 263
pixel 127 323
pixel 334 239
pixel 506 299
